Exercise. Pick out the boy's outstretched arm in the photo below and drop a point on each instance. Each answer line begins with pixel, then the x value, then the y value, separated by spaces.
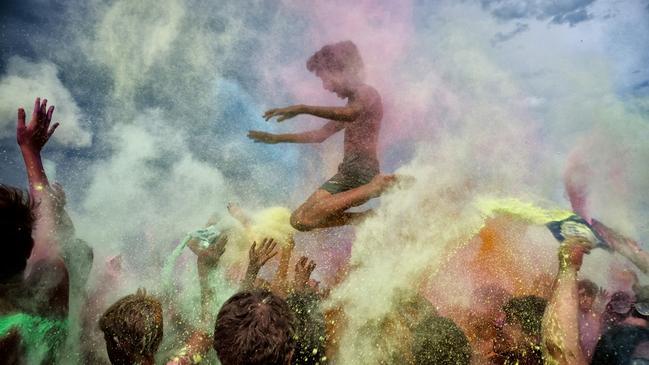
pixel 316 136
pixel 347 113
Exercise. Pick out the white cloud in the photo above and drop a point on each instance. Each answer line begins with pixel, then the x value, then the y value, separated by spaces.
pixel 150 181
pixel 26 80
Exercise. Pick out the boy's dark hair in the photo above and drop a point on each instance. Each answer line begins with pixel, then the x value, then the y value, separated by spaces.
pixel 616 346
pixel 310 332
pixel 16 222
pixel 526 311
pixel 338 57
pixel 254 328
pixel 588 286
pixel 132 327
pixel 438 340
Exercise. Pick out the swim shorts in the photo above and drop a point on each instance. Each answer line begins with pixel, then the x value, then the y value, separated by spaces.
pixel 350 176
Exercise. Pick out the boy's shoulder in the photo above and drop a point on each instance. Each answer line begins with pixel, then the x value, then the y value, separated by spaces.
pixel 369 94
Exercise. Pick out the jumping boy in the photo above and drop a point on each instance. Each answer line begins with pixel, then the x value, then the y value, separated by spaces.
pixel 340 68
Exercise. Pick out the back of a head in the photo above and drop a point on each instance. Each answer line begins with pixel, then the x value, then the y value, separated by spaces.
pixel 438 340
pixel 254 328
pixel 618 344
pixel 342 57
pixel 526 311
pixel 133 328
pixel 588 287
pixel 16 221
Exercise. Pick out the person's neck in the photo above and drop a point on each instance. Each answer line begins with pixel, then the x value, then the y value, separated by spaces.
pixel 353 91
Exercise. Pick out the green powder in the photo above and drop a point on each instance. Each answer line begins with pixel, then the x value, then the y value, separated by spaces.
pixel 40 336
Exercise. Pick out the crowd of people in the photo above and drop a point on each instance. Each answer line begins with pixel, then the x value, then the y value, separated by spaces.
pixel 283 321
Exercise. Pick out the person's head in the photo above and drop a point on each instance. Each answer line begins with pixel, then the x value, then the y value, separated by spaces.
pixel 438 340
pixel 132 329
pixel 519 325
pixel 254 328
pixel 624 308
pixel 339 66
pixel 587 291
pixel 16 221
pixel 622 345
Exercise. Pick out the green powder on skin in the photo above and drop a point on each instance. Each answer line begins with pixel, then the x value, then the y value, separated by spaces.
pixel 40 336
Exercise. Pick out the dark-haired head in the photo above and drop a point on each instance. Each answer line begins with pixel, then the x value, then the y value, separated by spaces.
pixel 518 330
pixel 587 291
pixel 527 311
pixel 133 329
pixel 254 328
pixel 339 65
pixel 16 222
pixel 622 344
pixel 438 340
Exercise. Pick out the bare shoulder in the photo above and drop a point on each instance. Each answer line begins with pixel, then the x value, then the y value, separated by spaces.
pixel 369 93
pixel 369 98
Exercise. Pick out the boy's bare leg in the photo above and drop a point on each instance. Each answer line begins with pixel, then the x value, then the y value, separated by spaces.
pixel 347 218
pixel 323 209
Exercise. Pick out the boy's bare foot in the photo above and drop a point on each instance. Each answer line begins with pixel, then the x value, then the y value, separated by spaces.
pixel 381 183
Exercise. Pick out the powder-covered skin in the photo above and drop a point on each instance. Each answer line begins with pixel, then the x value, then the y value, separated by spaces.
pixel 40 336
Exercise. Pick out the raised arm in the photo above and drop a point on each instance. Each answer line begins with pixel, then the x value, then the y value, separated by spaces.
pixel 560 328
pixel 207 260
pixel 625 246
pixel 347 113
pixel 303 269
pixel 257 259
pixel 31 138
pixel 316 136
pixel 280 282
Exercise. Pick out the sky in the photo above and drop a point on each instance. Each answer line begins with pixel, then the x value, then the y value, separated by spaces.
pixel 481 98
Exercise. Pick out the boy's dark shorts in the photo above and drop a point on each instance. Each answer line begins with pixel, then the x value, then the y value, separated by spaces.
pixel 347 179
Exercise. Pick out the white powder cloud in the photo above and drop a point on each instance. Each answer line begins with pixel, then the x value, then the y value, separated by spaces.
pixel 23 81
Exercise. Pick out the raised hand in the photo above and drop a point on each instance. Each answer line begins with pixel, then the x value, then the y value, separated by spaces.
pixel 572 251
pixel 263 137
pixel 283 114
pixel 259 256
pixel 303 269
pixel 34 136
pixel 210 255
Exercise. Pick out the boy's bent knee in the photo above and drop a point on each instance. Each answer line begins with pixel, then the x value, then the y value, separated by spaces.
pixel 299 222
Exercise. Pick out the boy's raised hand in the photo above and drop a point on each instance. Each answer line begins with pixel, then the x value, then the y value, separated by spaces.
pixel 263 137
pixel 283 114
